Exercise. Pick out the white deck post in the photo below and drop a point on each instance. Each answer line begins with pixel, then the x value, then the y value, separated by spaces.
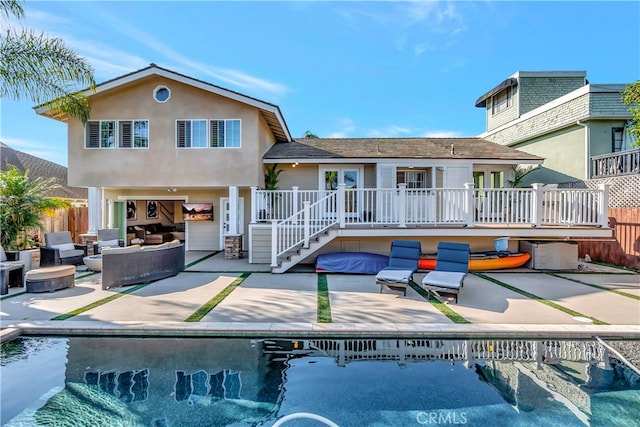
pixel 294 203
pixel 536 205
pixel 274 243
pixel 340 204
pixel 233 209
pixel 402 205
pixel 306 212
pixel 603 205
pixel 254 205
pixel 469 205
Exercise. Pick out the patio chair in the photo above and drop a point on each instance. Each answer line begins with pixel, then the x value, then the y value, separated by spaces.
pixel 11 273
pixel 107 238
pixel 60 249
pixel 403 263
pixel 452 266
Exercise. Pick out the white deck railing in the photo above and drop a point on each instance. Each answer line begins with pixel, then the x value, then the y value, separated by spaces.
pixel 550 351
pixel 299 215
pixel 616 164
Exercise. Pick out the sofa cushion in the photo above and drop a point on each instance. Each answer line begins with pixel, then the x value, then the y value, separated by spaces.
pixel 120 250
pixel 63 247
pixel 71 253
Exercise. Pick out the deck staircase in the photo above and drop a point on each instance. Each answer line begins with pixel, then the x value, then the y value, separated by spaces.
pixel 297 254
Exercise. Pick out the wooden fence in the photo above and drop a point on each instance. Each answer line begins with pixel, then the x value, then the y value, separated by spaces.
pixel 76 220
pixel 625 250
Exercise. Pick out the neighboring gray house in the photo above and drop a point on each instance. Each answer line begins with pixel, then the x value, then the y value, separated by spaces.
pixel 40 168
pixel 576 126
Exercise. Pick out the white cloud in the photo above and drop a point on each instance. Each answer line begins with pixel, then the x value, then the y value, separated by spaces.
pixel 442 134
pixel 390 131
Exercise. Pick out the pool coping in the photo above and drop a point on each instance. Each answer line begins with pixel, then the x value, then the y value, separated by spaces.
pixel 313 330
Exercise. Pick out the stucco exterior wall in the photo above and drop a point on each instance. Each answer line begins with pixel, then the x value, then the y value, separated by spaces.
pixel 162 164
pixel 600 135
pixel 564 152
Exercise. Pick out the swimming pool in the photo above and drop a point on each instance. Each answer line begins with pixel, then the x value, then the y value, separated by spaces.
pixel 78 381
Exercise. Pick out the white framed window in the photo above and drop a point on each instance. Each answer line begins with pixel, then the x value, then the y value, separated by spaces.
pixel 208 133
pixel 225 133
pixel 414 178
pixel 191 133
pixel 100 134
pixel 133 134
pixel 501 101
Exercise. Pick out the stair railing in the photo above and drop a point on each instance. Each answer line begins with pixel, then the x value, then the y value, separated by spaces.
pixel 304 225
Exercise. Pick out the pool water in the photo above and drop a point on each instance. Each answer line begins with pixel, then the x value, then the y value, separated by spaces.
pixel 80 381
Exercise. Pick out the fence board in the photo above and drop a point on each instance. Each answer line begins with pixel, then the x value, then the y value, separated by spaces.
pixel 625 250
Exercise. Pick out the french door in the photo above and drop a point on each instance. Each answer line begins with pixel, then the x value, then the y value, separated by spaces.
pixel 351 177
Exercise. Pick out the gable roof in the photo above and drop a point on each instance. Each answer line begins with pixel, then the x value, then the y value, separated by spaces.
pixel 41 168
pixel 270 112
pixel 373 149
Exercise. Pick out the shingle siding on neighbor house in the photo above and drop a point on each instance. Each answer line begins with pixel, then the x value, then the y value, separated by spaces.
pixel 510 114
pixel 537 91
pixel 607 105
pixel 546 121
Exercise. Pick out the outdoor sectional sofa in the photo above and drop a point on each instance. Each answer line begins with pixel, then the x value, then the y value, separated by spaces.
pixel 135 264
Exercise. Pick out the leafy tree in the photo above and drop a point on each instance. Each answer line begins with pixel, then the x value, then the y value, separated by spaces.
pixel 23 203
pixel 42 68
pixel 309 135
pixel 631 96
pixel 271 177
pixel 519 172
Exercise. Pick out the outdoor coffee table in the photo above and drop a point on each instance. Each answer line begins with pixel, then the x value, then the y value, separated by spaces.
pixel 93 262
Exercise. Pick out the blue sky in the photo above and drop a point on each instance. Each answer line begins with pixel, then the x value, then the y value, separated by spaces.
pixel 338 69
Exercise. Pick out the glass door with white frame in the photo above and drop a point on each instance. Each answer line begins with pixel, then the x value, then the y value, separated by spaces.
pixel 351 177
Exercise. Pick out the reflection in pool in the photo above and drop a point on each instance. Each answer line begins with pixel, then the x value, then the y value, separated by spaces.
pixel 352 382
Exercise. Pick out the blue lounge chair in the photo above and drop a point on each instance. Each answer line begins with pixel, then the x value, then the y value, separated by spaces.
pixel 452 266
pixel 403 263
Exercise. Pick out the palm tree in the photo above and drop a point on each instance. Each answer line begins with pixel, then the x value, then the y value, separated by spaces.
pixel 42 68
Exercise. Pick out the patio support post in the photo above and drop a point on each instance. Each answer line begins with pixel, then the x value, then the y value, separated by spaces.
pixel 233 210
pixel 536 204
pixel 254 204
pixel 402 205
pixel 468 204
pixel 340 204
pixel 95 209
pixel 306 215
pixel 294 203
pixel 603 205
pixel 274 243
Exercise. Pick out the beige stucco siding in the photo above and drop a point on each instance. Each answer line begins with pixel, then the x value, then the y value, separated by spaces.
pixel 304 176
pixel 162 164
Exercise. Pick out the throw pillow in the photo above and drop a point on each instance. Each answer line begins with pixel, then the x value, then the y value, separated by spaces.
pixel 64 247
pixel 104 243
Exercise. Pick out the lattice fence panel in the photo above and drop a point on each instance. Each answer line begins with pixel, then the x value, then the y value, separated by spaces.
pixel 624 191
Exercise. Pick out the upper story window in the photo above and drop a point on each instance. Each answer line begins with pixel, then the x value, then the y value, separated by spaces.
pixel 128 133
pixel 161 94
pixel 501 101
pixel 191 134
pixel 208 133
pixel 617 136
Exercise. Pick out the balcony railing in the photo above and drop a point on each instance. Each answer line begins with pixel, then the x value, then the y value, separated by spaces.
pixel 616 164
pixel 299 216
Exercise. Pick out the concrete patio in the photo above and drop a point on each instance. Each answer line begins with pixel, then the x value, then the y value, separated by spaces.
pixel 596 300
